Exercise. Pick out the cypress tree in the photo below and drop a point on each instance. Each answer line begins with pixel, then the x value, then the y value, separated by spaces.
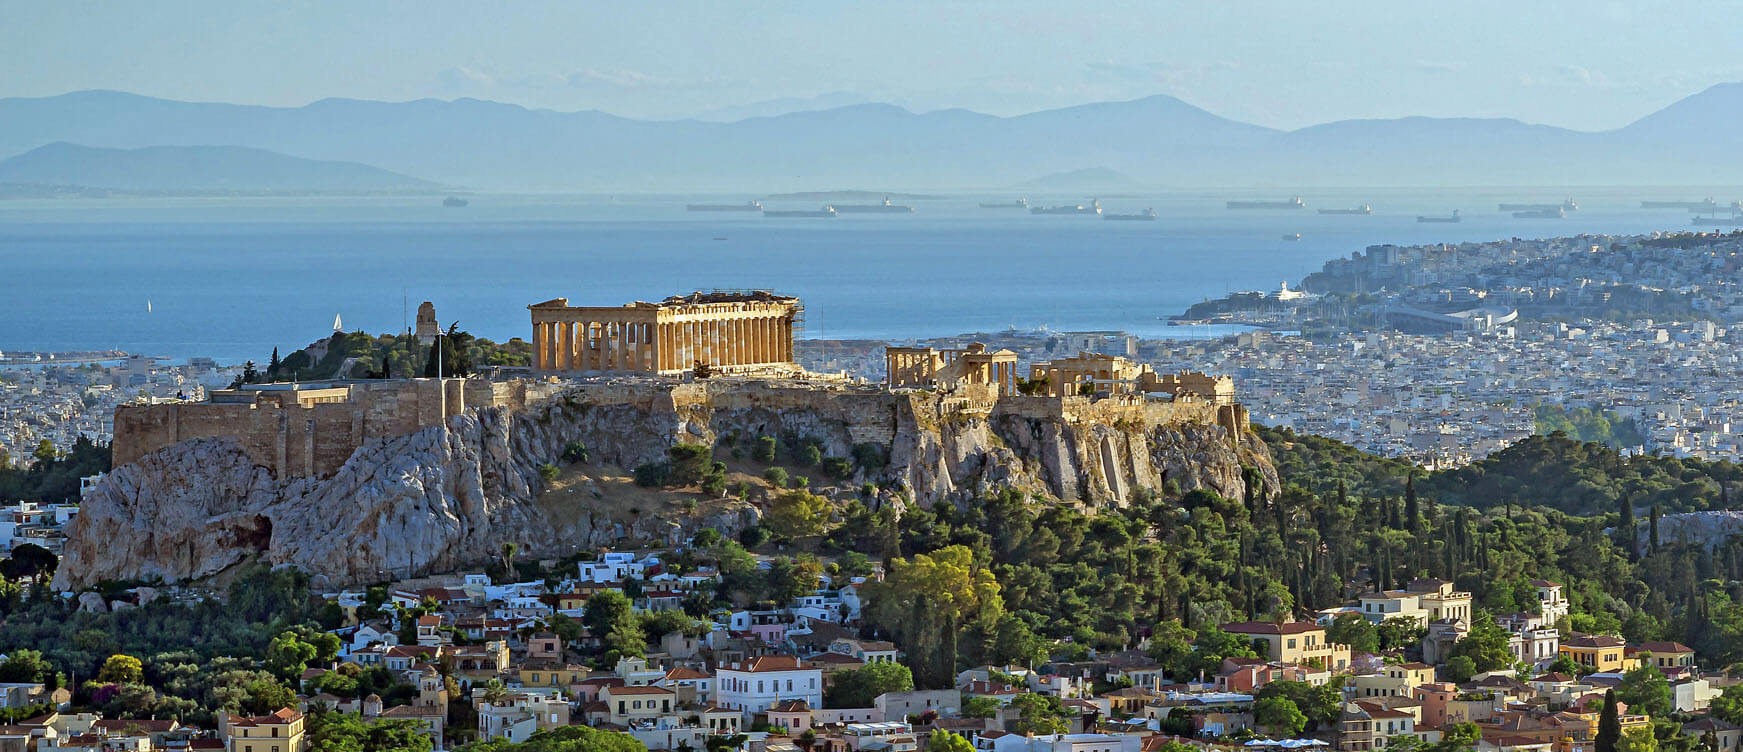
pixel 1609 726
pixel 1625 528
pixel 1652 528
pixel 1412 509
pixel 272 365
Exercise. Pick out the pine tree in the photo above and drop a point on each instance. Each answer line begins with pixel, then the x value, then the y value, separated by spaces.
pixel 272 365
pixel 1609 725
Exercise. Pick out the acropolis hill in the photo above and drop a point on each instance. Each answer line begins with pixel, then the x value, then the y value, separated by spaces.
pixel 351 480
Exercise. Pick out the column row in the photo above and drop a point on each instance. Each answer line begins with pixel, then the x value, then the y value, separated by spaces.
pixel 724 342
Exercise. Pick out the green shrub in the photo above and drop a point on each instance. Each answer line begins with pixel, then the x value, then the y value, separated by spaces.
pixel 798 481
pixel 839 468
pixel 549 472
pixel 809 455
pixel 574 452
pixel 754 536
pixel 776 476
pixel 870 457
pixel 690 463
pixel 652 474
pixel 714 486
pixel 764 451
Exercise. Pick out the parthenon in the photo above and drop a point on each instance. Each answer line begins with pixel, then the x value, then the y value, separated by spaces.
pixel 725 331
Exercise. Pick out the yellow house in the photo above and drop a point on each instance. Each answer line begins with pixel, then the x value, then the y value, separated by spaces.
pixel 1397 680
pixel 1601 652
pixel 1665 655
pixel 278 732
pixel 551 674
pixel 1294 642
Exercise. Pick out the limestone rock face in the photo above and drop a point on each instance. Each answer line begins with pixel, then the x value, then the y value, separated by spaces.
pixel 449 497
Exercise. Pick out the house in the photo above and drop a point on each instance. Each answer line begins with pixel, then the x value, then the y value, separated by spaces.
pixel 629 706
pixel 1553 604
pixel 1600 652
pixel 1366 726
pixel 944 702
pixel 1664 655
pixel 551 674
pixel 1394 604
pixel 1395 680
pixel 1066 743
pixel 888 736
pixel 281 731
pixel 517 716
pixel 544 646
pixel 755 685
pixel 1726 737
pixel 792 715
pixel 1294 642
pixel 1441 600
pixel 867 651
pixel 689 684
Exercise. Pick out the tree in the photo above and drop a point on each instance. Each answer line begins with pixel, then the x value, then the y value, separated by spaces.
pixel 928 599
pixel 797 513
pixel 25 665
pixel 1728 706
pixel 980 706
pixel 1039 714
pixel 605 610
pixel 121 669
pixel 1459 737
pixel 1321 705
pixel 1279 716
pixel 341 732
pixel 860 687
pixel 1645 689
pixel 580 739
pixel 508 552
pixel 273 365
pixel 725 743
pixel 1609 724
pixel 1460 668
pixel 1485 645
pixel 1355 631
pixel 1637 739
pixel 942 740
pixel 1400 632
pixel 287 655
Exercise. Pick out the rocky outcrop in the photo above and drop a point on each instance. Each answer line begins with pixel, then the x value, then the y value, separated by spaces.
pixel 448 497
pixel 1709 529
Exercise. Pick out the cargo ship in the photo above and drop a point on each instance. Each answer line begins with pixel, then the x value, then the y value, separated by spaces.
pixel 1550 213
pixel 1453 217
pixel 884 208
pixel 746 206
pixel 1693 206
pixel 1565 206
pixel 1292 236
pixel 1363 209
pixel 1093 208
pixel 454 202
pixel 1293 203
pixel 1147 215
pixel 827 211
pixel 1021 203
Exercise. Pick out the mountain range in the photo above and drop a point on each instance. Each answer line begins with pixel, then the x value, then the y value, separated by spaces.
pixel 194 169
pixel 1158 141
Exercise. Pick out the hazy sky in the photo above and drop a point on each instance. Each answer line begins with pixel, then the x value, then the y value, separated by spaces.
pixel 1586 64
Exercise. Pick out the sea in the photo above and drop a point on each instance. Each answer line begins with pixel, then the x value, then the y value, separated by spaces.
pixel 232 278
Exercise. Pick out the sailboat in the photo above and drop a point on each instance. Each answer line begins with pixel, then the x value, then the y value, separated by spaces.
pixel 148 306
pixel 337 325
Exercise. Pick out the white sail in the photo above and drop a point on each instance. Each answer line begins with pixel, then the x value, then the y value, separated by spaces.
pixel 337 325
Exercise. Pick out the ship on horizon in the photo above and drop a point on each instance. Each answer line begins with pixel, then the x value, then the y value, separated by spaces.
pixel 1450 218
pixel 1292 203
pixel 826 211
pixel 454 202
pixel 884 208
pixel 1093 208
pixel 1363 209
pixel 1564 207
pixel 1021 203
pixel 1147 215
pixel 1553 212
pixel 746 206
pixel 1704 205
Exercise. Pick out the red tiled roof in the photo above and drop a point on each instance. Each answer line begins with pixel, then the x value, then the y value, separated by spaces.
pixel 1267 628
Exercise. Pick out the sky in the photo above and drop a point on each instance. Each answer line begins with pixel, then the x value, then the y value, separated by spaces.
pixel 1588 65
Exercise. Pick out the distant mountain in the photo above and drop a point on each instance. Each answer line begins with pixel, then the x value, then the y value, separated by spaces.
pixel 1087 179
pixel 782 106
pixel 1155 141
pixel 195 169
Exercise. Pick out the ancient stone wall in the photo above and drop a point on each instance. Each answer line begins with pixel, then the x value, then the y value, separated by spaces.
pixel 293 441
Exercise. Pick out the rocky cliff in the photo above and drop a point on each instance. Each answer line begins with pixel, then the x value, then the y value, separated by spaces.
pixel 449 496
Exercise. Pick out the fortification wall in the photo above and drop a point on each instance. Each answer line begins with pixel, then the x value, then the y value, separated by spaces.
pixel 296 441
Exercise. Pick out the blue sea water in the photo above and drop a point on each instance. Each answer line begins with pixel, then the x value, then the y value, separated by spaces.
pixel 233 278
